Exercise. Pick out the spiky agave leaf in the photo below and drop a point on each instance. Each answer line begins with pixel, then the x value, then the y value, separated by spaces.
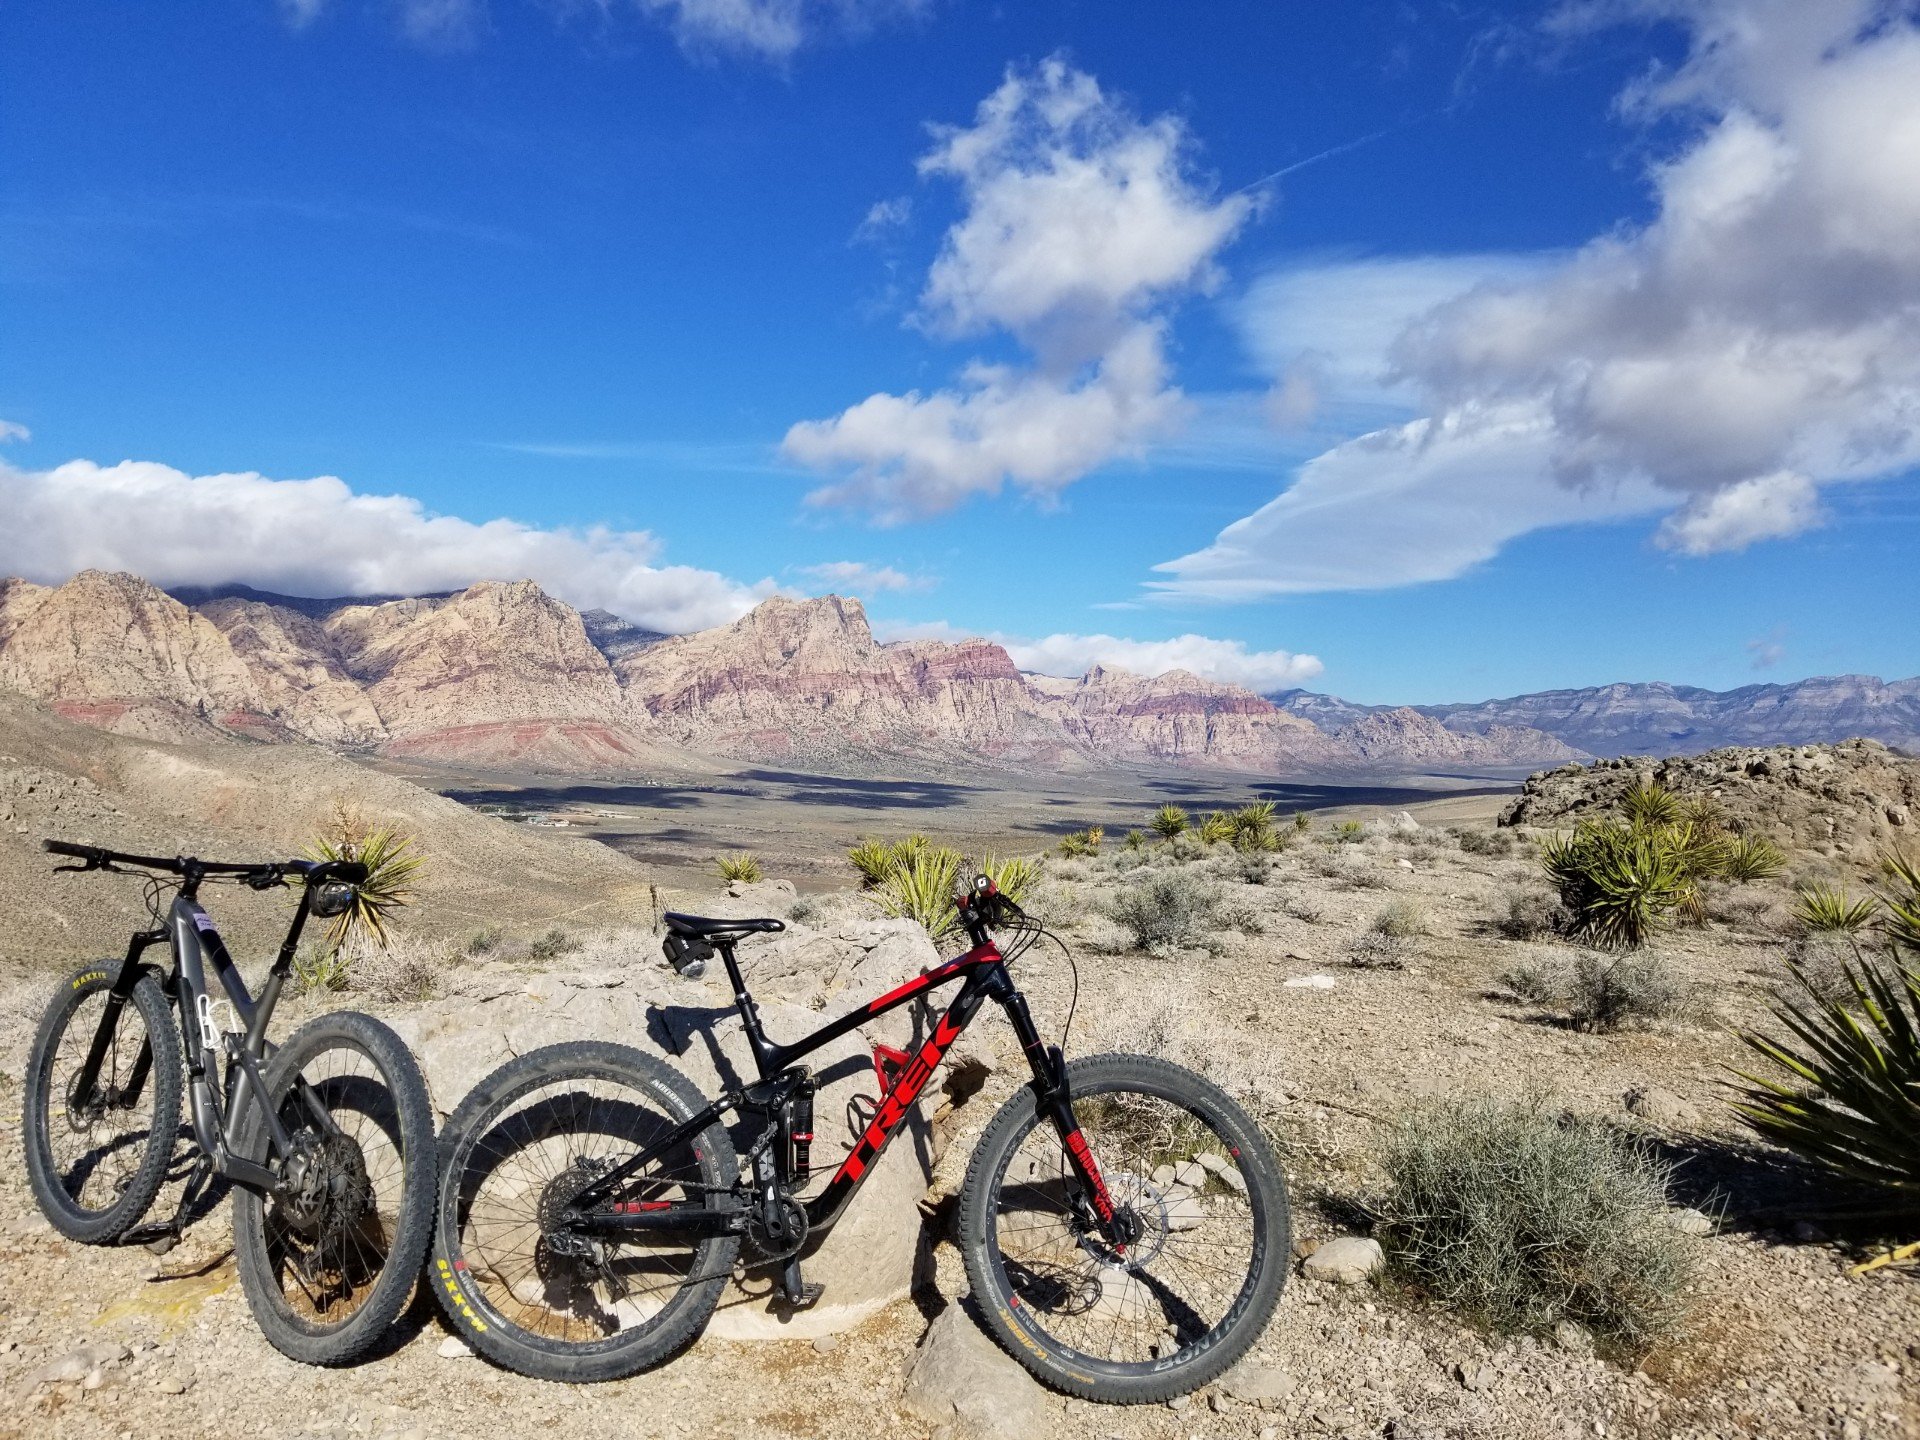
pixel 1850 1099
pixel 1651 804
pixel 1168 821
pixel 1751 857
pixel 1217 826
pixel 1621 882
pixel 393 869
pixel 1828 907
pixel 743 865
pixel 873 859
pixel 921 888
pixel 1903 909
pixel 1012 875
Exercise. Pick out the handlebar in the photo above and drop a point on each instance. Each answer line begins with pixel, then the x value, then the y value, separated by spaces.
pixel 260 876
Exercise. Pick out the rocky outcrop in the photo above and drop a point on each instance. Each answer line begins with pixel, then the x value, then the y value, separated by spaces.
pixel 799 680
pixel 1850 801
pixel 298 671
pixel 1405 737
pixel 1180 719
pixel 110 650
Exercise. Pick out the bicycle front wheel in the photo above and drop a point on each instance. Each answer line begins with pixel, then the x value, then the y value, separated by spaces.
pixel 531 1136
pixel 329 1260
pixel 1199 1201
pixel 95 1160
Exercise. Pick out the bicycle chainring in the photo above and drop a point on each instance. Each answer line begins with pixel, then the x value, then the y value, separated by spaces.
pixel 767 1246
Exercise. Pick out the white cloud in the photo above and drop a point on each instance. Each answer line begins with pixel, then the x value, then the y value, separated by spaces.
pixel 440 24
pixel 1767 507
pixel 1082 224
pixel 10 431
pixel 318 537
pixel 301 13
pixel 864 579
pixel 1227 661
pixel 1758 339
pixel 883 217
pixel 1427 500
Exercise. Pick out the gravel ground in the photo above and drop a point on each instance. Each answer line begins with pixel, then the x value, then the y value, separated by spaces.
pixel 1783 1343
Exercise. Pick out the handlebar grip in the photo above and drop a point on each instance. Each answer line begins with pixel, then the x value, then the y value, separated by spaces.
pixel 67 847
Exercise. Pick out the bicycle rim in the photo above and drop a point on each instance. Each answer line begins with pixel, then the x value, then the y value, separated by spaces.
pixel 98 1150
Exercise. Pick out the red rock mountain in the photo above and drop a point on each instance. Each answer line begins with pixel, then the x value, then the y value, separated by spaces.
pixel 502 674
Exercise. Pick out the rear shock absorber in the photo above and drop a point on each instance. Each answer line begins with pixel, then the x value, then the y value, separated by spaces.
pixel 800 1131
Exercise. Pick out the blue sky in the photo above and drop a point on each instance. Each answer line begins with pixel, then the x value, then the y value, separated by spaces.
pixel 1461 348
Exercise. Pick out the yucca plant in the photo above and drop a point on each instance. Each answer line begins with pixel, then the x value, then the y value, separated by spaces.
pixel 1215 827
pixel 1751 857
pixel 1830 908
pixel 1350 832
pixel 1619 882
pixel 1253 826
pixel 1082 842
pixel 1135 839
pixel 1302 821
pixel 1649 805
pixel 320 971
pixel 1903 907
pixel 1012 875
pixel 1168 821
pixel 1850 1099
pixel 743 866
pixel 873 859
pixel 393 870
pixel 920 887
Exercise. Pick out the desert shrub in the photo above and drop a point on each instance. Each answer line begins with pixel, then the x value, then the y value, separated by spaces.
pixel 1522 1219
pixel 486 940
pixel 1253 826
pixel 403 970
pixel 1754 911
pixel 804 910
pixel 1830 908
pixel 319 970
pixel 1215 827
pixel 743 866
pixel 1166 909
pixel 1302 822
pixel 552 945
pixel 1608 992
pixel 1482 842
pixel 1752 857
pixel 1619 882
pixel 1168 821
pixel 1183 847
pixel 1531 913
pixel 1304 909
pixel 1379 950
pixel 1538 980
pixel 393 871
pixel 1350 832
pixel 1082 842
pixel 1819 960
pixel 1250 867
pixel 1845 1095
pixel 1401 919
pixel 920 887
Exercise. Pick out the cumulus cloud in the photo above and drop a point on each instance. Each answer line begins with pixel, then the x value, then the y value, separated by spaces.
pixel 11 431
pixel 1227 661
pixel 1082 224
pixel 1758 339
pixel 864 579
pixel 319 537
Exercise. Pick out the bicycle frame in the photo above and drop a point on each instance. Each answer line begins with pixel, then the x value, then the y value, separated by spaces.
pixel 983 976
pixel 195 942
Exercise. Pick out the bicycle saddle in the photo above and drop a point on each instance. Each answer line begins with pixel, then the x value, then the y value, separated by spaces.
pixel 700 928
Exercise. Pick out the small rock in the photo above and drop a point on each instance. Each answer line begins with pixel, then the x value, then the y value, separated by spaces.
pixel 1807 1233
pixel 962 1382
pixel 1663 1107
pixel 454 1348
pixel 1404 864
pixel 826 1344
pixel 1477 1377
pixel 1257 1384
pixel 1220 1401
pixel 1350 1260
pixel 1690 1222
pixel 170 1385
pixel 1220 1169
pixel 1308 982
pixel 1569 1336
pixel 78 1364
pixel 1180 1402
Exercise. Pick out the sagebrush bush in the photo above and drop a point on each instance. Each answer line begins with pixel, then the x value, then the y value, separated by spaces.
pixel 1403 919
pixel 1379 950
pixel 1608 992
pixel 404 969
pixel 1821 957
pixel 1530 913
pixel 1537 980
pixel 552 945
pixel 1522 1218
pixel 1165 910
pixel 1250 867
pixel 1483 842
pixel 486 940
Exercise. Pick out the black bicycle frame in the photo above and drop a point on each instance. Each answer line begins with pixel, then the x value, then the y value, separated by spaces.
pixel 983 976
pixel 194 942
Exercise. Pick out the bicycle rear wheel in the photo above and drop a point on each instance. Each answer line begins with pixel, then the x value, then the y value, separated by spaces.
pixel 329 1261
pixel 1204 1209
pixel 96 1161
pixel 528 1138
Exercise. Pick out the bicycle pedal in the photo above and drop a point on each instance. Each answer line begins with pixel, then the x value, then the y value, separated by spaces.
pixel 795 1293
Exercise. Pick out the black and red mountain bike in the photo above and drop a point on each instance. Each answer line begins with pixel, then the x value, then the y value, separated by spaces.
pixel 1123 1221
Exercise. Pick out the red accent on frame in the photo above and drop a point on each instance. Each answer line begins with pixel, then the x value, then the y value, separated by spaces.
pixel 884 1056
pixel 895 1104
pixel 635 1207
pixel 1090 1171
pixel 975 956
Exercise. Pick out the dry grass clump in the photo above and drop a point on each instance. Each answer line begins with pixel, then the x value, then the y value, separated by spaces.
pixel 551 946
pixel 1537 979
pixel 1379 950
pixel 1523 1219
pixel 1530 913
pixel 1166 910
pixel 1613 992
pixel 1401 919
pixel 405 969
pixel 1482 842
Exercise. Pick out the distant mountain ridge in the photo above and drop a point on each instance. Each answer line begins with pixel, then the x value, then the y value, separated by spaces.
pixel 1657 718
pixel 501 674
